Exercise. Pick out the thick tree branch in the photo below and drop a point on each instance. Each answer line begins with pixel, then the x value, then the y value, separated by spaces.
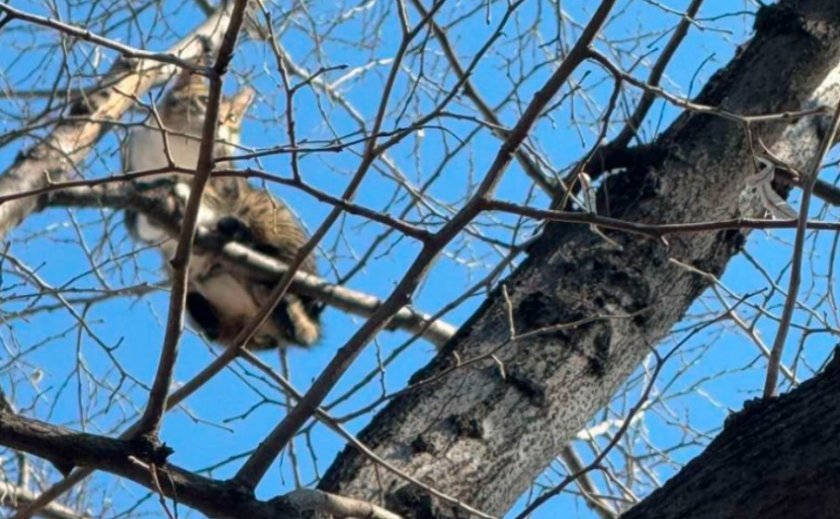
pixel 775 459
pixel 250 262
pixel 306 500
pixel 828 193
pixel 519 422
pixel 133 460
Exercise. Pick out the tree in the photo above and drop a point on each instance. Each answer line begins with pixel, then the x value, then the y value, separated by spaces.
pixel 586 274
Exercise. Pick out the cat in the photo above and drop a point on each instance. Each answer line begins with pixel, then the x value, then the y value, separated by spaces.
pixel 220 300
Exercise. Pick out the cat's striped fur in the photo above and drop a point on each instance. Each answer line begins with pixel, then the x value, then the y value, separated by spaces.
pixel 220 301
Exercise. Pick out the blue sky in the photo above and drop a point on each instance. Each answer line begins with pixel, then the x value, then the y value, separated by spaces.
pixel 232 413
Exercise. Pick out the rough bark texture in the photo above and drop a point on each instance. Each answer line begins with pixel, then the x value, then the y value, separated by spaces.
pixel 775 459
pixel 483 438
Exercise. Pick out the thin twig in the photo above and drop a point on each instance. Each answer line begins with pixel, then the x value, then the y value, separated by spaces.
pixel 156 406
pixel 771 381
pixel 72 139
pixel 17 497
pixel 656 72
pixel 256 466
pixel 528 163
pixel 85 34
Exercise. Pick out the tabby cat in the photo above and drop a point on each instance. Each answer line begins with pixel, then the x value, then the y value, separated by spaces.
pixel 221 301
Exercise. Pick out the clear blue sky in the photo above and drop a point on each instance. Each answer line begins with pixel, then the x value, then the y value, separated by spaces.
pixel 233 413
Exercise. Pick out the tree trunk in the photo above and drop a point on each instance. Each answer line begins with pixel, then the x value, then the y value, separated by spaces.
pixel 483 434
pixel 774 459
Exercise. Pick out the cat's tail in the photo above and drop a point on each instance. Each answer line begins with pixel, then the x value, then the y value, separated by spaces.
pixel 304 327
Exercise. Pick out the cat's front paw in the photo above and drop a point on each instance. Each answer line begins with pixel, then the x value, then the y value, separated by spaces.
pixel 182 192
pixel 234 229
pixel 206 215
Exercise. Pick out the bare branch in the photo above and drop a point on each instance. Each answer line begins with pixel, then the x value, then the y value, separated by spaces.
pixel 172 58
pixel 632 126
pixel 53 159
pixel 260 460
pixel 529 164
pixel 16 497
pixel 150 421
pixel 796 263
pixel 136 462
pixel 251 262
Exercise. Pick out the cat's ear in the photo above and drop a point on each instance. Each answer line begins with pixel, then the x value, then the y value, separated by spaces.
pixel 240 103
pixel 232 110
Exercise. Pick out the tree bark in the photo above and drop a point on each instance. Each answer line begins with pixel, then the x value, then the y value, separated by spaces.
pixel 776 458
pixel 483 434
